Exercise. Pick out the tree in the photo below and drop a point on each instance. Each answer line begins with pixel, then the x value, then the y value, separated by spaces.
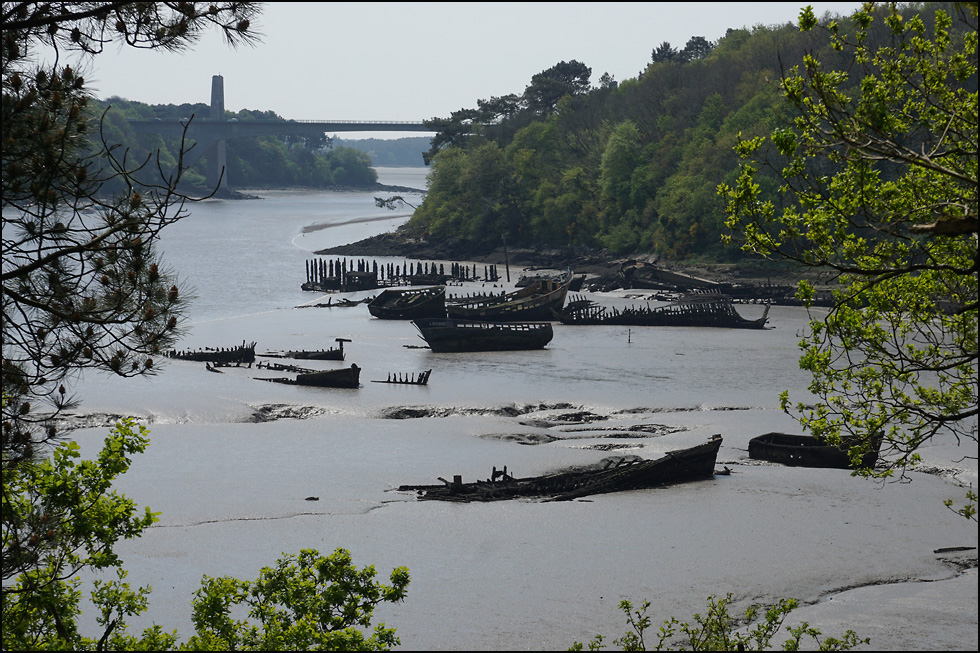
pixel 549 86
pixel 719 631
pixel 663 52
pixel 879 172
pixel 451 131
pixel 306 602
pixel 607 81
pixel 84 289
pixel 392 203
pixel 82 286
pixel 697 47
pixel 59 517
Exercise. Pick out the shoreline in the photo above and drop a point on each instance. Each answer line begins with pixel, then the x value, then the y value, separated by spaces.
pixel 602 271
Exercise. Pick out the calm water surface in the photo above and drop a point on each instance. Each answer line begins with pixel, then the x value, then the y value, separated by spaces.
pixel 233 459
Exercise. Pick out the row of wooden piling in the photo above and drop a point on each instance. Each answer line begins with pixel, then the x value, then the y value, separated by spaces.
pixel 341 275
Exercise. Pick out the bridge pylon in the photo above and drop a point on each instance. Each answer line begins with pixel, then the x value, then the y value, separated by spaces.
pixel 217 154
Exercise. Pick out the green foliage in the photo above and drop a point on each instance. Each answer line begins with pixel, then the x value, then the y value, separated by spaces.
pixel 305 603
pixel 253 162
pixel 389 152
pixel 717 630
pixel 83 288
pixel 879 178
pixel 61 516
pixel 648 154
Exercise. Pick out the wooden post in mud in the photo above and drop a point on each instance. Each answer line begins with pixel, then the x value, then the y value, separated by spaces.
pixel 506 258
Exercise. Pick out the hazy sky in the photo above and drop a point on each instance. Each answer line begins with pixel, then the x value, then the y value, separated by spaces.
pixel 416 60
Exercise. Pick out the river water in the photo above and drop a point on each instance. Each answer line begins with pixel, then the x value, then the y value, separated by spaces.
pixel 232 460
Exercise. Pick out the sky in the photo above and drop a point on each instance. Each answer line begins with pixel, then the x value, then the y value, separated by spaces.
pixel 411 61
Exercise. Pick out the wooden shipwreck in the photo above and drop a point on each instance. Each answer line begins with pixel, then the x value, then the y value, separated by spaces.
pixel 331 354
pixel 407 379
pixel 446 335
pixel 541 300
pixel 344 377
pixel 409 304
pixel 808 451
pixel 695 463
pixel 696 309
pixel 243 354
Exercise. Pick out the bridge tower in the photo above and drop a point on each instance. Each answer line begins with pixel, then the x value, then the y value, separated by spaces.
pixel 217 154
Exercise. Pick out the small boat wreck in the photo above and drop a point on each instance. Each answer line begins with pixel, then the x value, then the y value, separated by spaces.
pixel 244 354
pixel 696 463
pixel 331 354
pixel 409 304
pixel 344 377
pixel 282 367
pixel 407 379
pixel 448 335
pixel 807 451
pixel 648 276
pixel 697 309
pixel 541 300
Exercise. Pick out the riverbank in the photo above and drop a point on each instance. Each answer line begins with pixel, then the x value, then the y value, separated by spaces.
pixel 233 459
pixel 601 270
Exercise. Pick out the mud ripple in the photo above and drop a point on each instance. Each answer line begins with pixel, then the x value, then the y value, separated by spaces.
pixel 628 431
pixel 514 410
pixel 272 412
pixel 612 447
pixel 74 421
pixel 521 438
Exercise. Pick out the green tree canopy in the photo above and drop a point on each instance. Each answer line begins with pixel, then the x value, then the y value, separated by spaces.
pixel 84 289
pixel 82 285
pixel 687 116
pixel 664 52
pixel 551 85
pixel 879 173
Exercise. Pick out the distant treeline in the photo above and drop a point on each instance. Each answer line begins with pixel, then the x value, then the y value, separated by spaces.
pixel 631 167
pixel 261 162
pixel 390 153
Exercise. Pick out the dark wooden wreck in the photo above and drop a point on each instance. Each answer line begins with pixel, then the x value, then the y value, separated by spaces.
pixel 647 276
pixel 695 463
pixel 448 335
pixel 407 379
pixel 243 354
pixel 331 354
pixel 541 300
pixel 282 367
pixel 409 304
pixel 344 377
pixel 698 309
pixel 807 451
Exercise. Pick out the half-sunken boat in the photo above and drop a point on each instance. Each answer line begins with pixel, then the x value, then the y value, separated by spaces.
pixel 807 451
pixel 331 354
pixel 697 309
pixel 407 379
pixel 409 304
pixel 243 354
pixel 611 475
pixel 448 335
pixel 343 377
pixel 540 300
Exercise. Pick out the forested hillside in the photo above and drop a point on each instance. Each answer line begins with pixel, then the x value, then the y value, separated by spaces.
pixel 631 167
pixel 263 162
pixel 389 152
